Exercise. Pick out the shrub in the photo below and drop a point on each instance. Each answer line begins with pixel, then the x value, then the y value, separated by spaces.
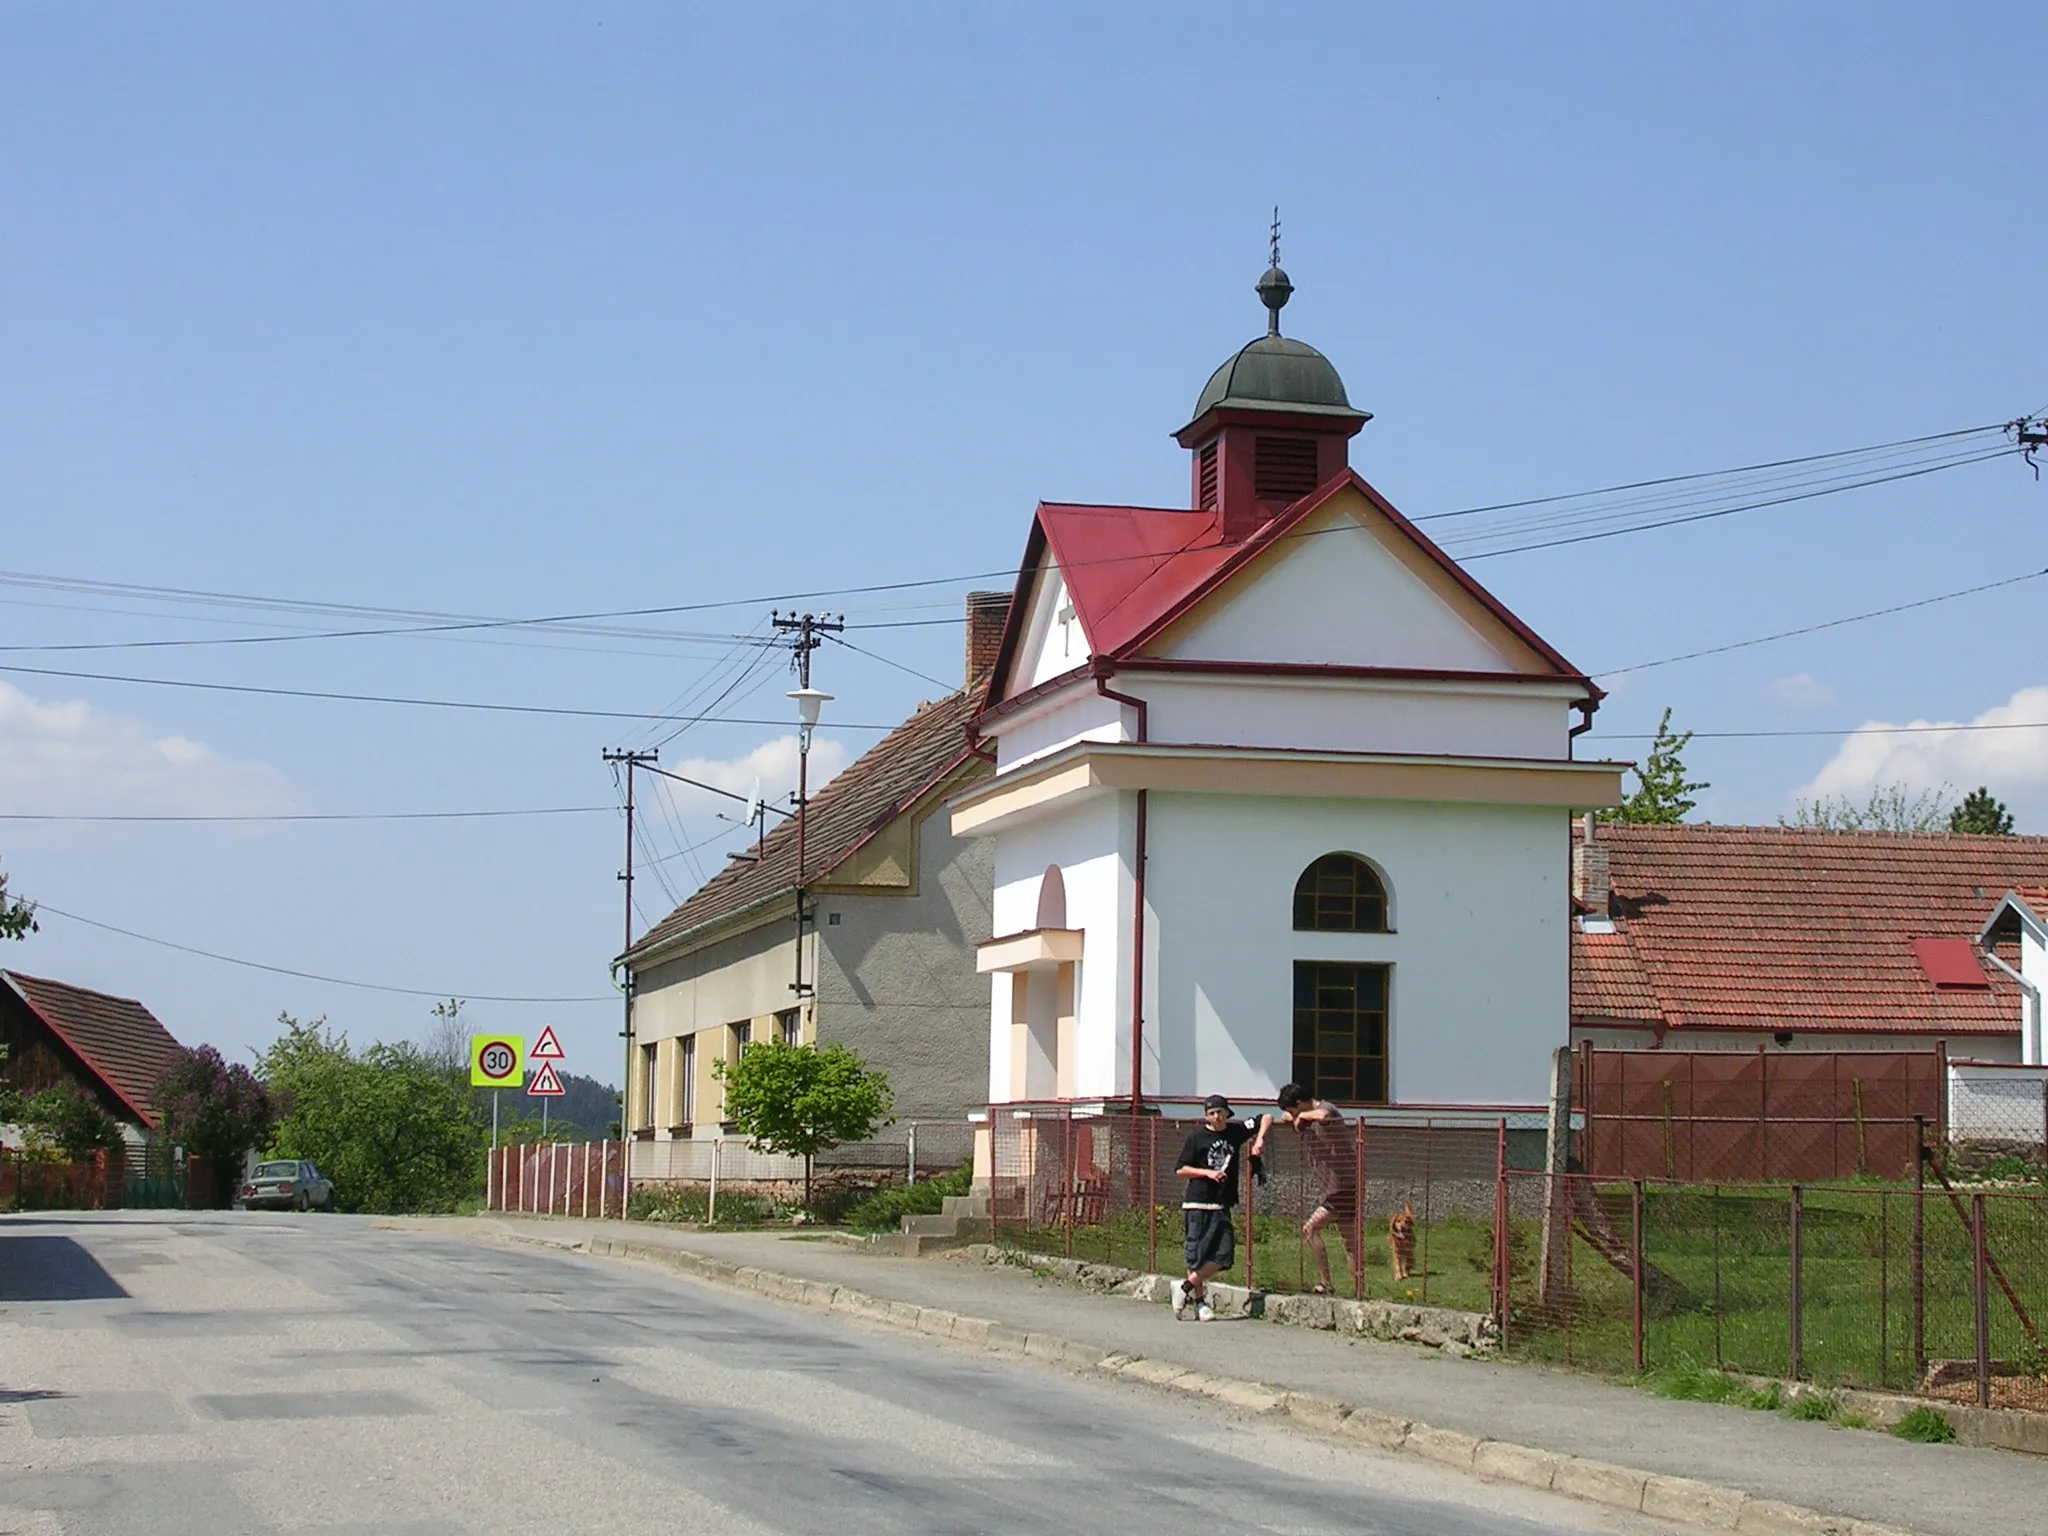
pixel 1817 1407
pixel 883 1210
pixel 1925 1426
pixel 69 1120
pixel 683 1204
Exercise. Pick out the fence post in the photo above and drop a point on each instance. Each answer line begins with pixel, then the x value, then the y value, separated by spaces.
pixel 1502 1274
pixel 1357 1242
pixel 1978 1266
pixel 1919 1248
pixel 490 1180
pixel 1428 1199
pixel 910 1146
pixel 711 1199
pixel 1152 1198
pixel 1557 1216
pixel 1067 1176
pixel 1635 1254
pixel 1797 1297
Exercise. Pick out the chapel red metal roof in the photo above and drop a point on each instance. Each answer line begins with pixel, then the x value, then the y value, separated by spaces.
pixel 1780 928
pixel 1131 571
pixel 117 1039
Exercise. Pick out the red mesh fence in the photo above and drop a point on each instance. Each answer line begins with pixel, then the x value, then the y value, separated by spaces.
pixel 1411 1200
pixel 29 1183
pixel 1764 1116
pixel 1939 1290
pixel 558 1179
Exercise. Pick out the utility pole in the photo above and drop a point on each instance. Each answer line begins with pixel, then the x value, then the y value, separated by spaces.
pixel 806 633
pixel 632 760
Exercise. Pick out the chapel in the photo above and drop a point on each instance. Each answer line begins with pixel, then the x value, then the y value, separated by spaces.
pixel 1280 791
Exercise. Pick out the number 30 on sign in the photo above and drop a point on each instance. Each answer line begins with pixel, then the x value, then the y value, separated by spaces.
pixel 495 1060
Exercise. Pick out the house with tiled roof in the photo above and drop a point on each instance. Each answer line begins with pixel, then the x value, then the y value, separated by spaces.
pixel 882 961
pixel 1711 938
pixel 111 1047
pixel 1281 791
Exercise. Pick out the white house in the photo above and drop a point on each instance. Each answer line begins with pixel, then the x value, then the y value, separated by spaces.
pixel 1281 792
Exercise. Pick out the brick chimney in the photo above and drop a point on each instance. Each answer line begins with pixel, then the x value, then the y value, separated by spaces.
pixel 987 612
pixel 1591 883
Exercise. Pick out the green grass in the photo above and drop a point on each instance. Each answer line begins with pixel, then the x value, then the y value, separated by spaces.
pixel 1816 1407
pixel 883 1210
pixel 1728 1253
pixel 1924 1426
pixel 1695 1383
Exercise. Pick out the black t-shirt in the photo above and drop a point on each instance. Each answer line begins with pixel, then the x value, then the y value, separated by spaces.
pixel 1205 1148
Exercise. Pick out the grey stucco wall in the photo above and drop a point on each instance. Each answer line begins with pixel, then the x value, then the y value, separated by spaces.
pixel 896 977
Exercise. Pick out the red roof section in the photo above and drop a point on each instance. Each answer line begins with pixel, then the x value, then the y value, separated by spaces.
pixel 1778 928
pixel 1132 570
pixel 118 1039
pixel 1951 963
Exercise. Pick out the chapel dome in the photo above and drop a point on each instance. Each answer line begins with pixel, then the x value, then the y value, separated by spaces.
pixel 1275 372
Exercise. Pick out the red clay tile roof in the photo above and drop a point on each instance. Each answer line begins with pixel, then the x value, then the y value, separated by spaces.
pixel 1131 570
pixel 865 797
pixel 1775 928
pixel 116 1037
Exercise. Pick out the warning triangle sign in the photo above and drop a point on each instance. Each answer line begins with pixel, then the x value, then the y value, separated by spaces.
pixel 545 1084
pixel 547 1048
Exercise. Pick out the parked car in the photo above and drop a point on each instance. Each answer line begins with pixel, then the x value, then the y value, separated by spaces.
pixel 294 1186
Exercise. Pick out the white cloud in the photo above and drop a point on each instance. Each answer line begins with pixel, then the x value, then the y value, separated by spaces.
pixel 1802 690
pixel 2013 762
pixel 772 764
pixel 74 759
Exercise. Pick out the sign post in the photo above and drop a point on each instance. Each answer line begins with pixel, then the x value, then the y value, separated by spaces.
pixel 494 1063
pixel 547 1050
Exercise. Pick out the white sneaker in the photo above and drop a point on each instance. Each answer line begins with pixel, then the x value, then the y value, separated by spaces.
pixel 1204 1313
pixel 1180 1300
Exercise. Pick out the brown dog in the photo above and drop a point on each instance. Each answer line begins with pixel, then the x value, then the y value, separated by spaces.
pixel 1401 1242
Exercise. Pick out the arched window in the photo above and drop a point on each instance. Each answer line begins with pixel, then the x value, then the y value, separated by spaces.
pixel 1340 893
pixel 1052 898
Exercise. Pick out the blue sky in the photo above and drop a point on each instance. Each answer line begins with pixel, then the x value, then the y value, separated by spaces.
pixel 511 311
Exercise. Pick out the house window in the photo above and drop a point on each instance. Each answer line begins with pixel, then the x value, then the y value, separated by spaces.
pixel 789 1026
pixel 1340 893
pixel 1340 1031
pixel 649 1059
pixel 686 1110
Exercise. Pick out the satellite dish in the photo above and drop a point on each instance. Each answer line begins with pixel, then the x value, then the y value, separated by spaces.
pixel 754 807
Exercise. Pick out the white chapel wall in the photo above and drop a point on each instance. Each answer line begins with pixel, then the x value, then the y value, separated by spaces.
pixel 1510 720
pixel 1337 596
pixel 1086 841
pixel 1479 995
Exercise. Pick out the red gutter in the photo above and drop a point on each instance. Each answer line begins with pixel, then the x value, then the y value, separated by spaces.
pixel 1102 674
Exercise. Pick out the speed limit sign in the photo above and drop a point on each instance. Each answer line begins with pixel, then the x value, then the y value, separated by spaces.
pixel 495 1060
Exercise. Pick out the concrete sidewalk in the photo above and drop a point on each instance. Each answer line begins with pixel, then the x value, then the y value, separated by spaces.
pixel 1940 1490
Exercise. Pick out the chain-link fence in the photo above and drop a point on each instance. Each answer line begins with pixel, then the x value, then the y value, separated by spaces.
pixel 1411 1198
pixel 1997 1118
pixel 1935 1289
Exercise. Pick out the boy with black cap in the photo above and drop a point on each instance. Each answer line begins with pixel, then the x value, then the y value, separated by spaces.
pixel 1209 1162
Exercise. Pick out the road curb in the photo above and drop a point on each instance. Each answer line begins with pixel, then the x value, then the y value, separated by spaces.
pixel 1679 1499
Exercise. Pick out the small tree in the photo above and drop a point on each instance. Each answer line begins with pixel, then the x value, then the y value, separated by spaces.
pixel 1981 815
pixel 216 1111
pixel 70 1120
pixel 801 1100
pixel 17 917
pixel 1890 808
pixel 1663 793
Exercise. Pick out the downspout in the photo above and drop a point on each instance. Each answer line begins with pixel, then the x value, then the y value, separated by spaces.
pixel 2030 1032
pixel 1103 673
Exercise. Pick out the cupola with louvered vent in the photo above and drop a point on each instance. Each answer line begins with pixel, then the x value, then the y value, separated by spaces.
pixel 1272 425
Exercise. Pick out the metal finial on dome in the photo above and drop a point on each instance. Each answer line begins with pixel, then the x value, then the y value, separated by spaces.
pixel 1274 289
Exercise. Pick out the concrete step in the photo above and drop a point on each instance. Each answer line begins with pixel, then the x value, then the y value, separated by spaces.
pixel 975 1206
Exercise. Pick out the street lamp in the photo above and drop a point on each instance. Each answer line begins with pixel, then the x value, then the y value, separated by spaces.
pixel 809 703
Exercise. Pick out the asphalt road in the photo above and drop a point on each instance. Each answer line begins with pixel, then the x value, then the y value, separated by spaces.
pixel 245 1373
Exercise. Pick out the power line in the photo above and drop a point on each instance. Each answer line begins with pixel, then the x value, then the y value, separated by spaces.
pixel 436 623
pixel 1846 730
pixel 280 970
pixel 379 698
pixel 550 810
pixel 1811 629
pixel 888 662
